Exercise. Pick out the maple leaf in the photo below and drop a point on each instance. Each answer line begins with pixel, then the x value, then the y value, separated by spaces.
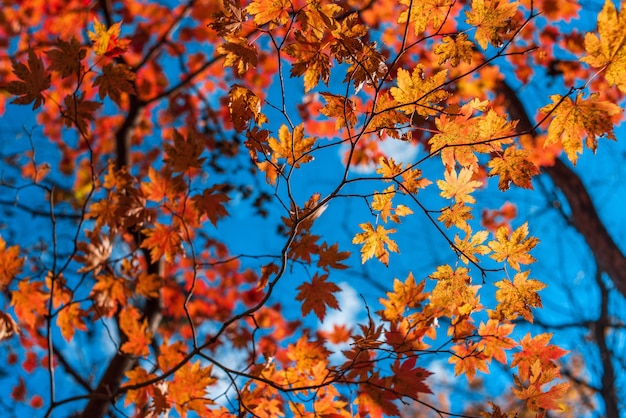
pixel 339 107
pixel 148 285
pixel 184 153
pixel 535 398
pixel 515 249
pixel 34 78
pixel 66 58
pixel 517 297
pixel 79 112
pixel 97 252
pixel 575 119
pixel 107 41
pixel 70 319
pixel 455 49
pixel 470 245
pixel 608 51
pixel 163 185
pixel 229 20
pixel 30 302
pixel 405 296
pixel 187 390
pixel 491 18
pixel 383 203
pixel 8 326
pixel 457 215
pixel 418 93
pixel 211 203
pixel 458 186
pixel 238 53
pixel 536 349
pixel 115 80
pixel 468 359
pixel 495 341
pixel 162 241
pixel 265 11
pixel 138 397
pixel 308 61
pixel 243 106
pixel 376 243
pixel 424 12
pixel 318 294
pixel 292 146
pixel 407 379
pixel 108 293
pixel 136 329
pixel 330 257
pixel 10 263
pixel 513 166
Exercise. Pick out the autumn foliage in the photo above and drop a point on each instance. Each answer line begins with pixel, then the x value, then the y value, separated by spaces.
pixel 158 124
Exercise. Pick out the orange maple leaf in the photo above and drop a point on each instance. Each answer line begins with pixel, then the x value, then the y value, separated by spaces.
pixel 537 349
pixel 136 329
pixel 187 390
pixel 376 243
pixel 515 249
pixel 107 41
pixel 383 203
pixel 238 54
pixel 211 203
pixel 244 106
pixel 69 319
pixel 467 359
pixel 405 296
pixel 34 78
pixel 576 119
pixel 495 341
pixel 339 107
pixel 30 302
pixel 318 294
pixel 309 61
pixel 163 240
pixel 10 263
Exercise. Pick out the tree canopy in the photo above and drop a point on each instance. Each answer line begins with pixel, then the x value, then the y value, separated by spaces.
pixel 311 208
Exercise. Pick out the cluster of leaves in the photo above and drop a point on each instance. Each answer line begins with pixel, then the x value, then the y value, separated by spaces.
pixel 148 225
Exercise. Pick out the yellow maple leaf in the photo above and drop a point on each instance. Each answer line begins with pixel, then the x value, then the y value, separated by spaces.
pixel 518 296
pixel 265 11
pixel 107 41
pixel 491 18
pixel 455 49
pixel 458 186
pixel 383 203
pixel 515 249
pixel 609 50
pixel 513 166
pixel 471 245
pixel 292 146
pixel 376 243
pixel 419 93
pixel 423 12
pixel 456 215
pixel 575 119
